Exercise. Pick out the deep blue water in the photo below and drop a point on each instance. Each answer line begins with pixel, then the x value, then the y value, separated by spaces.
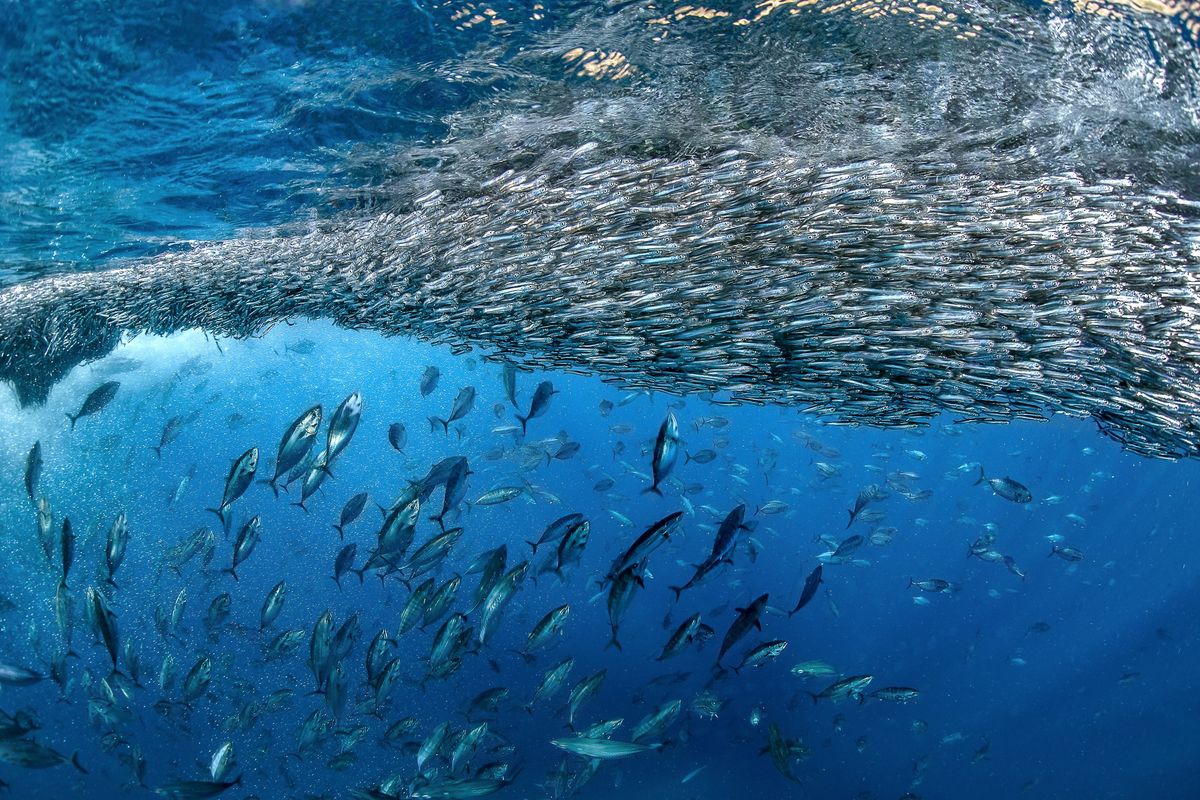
pixel 126 133
pixel 1051 706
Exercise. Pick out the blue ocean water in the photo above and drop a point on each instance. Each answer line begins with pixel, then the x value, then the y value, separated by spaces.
pixel 130 133
pixel 1101 703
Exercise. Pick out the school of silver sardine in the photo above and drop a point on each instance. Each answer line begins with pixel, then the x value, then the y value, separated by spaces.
pixel 872 284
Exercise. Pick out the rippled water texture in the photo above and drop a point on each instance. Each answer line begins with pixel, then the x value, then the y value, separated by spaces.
pixel 125 134
pixel 726 244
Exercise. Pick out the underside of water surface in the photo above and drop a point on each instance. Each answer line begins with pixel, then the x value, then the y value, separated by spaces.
pixel 440 400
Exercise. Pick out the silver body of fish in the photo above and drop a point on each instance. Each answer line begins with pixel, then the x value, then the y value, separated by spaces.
pixel 946 270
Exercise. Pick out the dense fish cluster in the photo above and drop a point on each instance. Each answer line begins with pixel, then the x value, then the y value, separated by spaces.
pixel 212 630
pixel 866 292
pixel 990 212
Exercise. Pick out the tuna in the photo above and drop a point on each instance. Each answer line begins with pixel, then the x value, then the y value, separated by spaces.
pixel 295 446
pixel 33 470
pixel 96 401
pixel 666 453
pixel 539 403
pixel 810 589
pixel 342 425
pixel 463 404
pixel 241 475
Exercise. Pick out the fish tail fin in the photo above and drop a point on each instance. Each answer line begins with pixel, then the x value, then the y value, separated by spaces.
pixel 75 762
pixel 68 416
pixel 341 535
pixel 678 590
pixel 982 477
pixel 220 512
pixel 301 504
pixel 687 457
pixel 524 421
pixel 435 421
pixel 850 511
pixel 910 583
pixel 534 545
pixel 157 451
pixel 614 643
pixel 231 571
pixel 813 696
pixel 653 489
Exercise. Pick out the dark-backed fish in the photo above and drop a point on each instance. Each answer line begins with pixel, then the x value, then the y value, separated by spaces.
pixel 96 401
pixel 463 403
pixel 810 588
pixel 33 470
pixel 429 380
pixel 666 453
pixel 1006 487
pixel 747 618
pixel 538 403
pixel 241 475
pixel 296 443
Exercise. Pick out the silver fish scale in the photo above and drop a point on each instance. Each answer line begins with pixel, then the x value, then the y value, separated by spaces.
pixel 874 285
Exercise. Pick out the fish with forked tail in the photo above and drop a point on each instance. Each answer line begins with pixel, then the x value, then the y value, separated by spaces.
pixel 296 443
pixel 666 453
pixel 1006 487
pixel 747 618
pixel 96 401
pixel 241 475
pixel 463 403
